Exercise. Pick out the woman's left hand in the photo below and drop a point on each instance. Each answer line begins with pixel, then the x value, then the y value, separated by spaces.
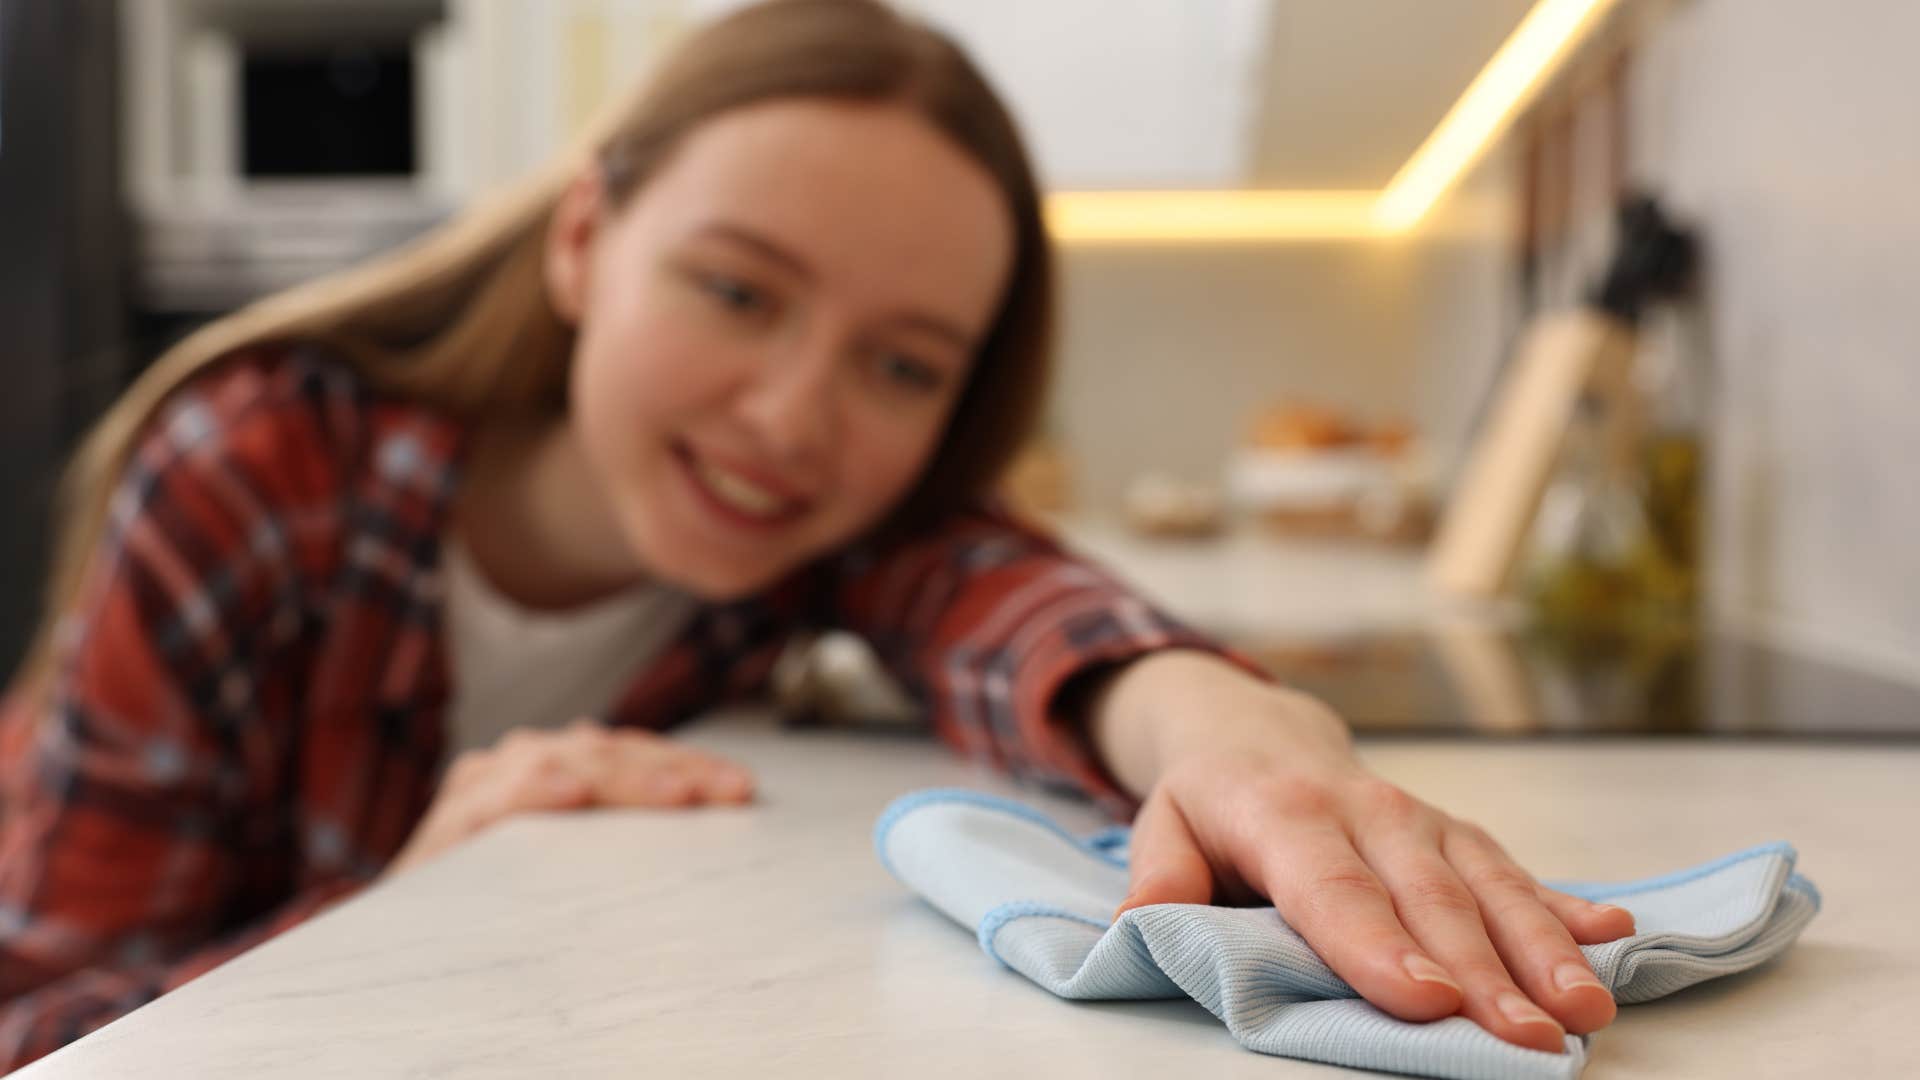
pixel 1421 913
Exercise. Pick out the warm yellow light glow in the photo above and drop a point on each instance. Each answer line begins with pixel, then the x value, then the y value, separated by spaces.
pixel 1209 216
pixel 1545 37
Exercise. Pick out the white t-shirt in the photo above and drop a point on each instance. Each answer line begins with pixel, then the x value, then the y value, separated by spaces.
pixel 512 666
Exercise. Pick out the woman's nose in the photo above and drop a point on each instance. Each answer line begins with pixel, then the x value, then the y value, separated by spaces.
pixel 790 404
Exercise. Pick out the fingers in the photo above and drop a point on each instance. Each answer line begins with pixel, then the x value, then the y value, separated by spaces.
pixel 1441 911
pixel 1532 942
pixel 1166 862
pixel 484 787
pixel 585 764
pixel 1328 894
pixel 527 784
pixel 633 768
pixel 648 770
pixel 1588 922
pixel 1421 914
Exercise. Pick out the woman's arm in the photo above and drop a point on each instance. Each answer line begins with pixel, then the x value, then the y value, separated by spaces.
pixel 1146 714
pixel 141 840
pixel 1001 634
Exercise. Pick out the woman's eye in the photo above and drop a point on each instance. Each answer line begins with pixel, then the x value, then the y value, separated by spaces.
pixel 903 370
pixel 733 294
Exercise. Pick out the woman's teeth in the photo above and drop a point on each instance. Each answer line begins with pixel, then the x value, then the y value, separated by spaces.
pixel 739 492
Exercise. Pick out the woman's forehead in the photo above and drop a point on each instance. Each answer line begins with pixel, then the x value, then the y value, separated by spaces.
pixel 864 194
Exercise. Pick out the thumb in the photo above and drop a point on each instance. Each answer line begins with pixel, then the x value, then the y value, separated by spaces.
pixel 1168 866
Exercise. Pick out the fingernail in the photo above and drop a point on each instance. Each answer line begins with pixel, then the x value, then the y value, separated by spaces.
pixel 1421 969
pixel 1573 976
pixel 1606 909
pixel 1518 1009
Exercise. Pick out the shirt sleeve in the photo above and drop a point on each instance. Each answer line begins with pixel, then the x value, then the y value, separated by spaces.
pixel 139 787
pixel 989 621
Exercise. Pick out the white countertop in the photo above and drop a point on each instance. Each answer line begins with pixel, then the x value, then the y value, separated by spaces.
pixel 1248 584
pixel 768 941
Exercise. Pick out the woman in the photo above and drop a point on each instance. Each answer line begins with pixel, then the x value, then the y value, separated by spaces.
pixel 744 366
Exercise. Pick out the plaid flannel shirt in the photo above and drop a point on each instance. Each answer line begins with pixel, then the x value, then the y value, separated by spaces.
pixel 245 721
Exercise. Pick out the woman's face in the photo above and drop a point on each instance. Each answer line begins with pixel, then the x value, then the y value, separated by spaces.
pixel 774 330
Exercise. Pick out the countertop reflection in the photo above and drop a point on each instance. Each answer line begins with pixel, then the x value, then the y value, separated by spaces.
pixel 1487 682
pixel 1356 625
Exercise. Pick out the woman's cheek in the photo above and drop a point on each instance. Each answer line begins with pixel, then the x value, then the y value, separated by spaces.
pixel 887 468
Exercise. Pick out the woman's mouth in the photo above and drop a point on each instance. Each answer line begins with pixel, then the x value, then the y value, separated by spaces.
pixel 734 496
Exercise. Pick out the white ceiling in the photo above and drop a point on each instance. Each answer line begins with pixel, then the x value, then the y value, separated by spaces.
pixel 1227 93
pixel 1353 86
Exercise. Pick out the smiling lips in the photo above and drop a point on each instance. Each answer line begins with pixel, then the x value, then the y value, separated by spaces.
pixel 741 496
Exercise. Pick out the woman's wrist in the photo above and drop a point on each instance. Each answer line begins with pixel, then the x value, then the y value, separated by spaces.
pixel 1145 717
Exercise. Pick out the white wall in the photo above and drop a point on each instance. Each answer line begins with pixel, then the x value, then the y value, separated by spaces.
pixel 1791 133
pixel 1167 353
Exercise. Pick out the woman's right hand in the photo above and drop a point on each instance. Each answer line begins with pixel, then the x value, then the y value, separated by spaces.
pixel 584 764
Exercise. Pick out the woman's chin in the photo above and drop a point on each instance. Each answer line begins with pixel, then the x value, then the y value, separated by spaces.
pixel 718 582
pixel 719 565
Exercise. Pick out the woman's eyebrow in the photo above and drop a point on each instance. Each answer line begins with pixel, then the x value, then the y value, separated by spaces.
pixel 938 327
pixel 758 242
pixel 766 246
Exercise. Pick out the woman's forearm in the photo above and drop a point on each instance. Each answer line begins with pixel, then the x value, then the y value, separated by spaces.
pixel 1150 712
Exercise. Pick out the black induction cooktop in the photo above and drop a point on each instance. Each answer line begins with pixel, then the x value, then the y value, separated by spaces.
pixel 1473 681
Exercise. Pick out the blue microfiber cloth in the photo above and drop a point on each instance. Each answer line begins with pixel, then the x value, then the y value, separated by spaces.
pixel 1040 900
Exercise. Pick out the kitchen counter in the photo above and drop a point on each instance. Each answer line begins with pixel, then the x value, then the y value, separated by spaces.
pixel 768 941
pixel 1246 584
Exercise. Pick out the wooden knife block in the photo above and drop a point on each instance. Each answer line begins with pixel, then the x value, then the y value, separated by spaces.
pixel 1561 357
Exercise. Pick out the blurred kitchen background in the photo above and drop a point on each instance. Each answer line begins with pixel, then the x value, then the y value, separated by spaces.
pixel 1275 365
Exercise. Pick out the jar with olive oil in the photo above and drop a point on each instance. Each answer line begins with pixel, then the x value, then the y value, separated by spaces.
pixel 1616 549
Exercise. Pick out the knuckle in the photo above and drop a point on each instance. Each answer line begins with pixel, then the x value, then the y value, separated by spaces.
pixel 1474 834
pixel 672 788
pixel 1298 797
pixel 1437 894
pixel 1522 916
pixel 516 740
pixel 588 733
pixel 539 755
pixel 1338 901
pixel 1388 803
pixel 1470 840
pixel 1344 884
pixel 1507 880
pixel 516 791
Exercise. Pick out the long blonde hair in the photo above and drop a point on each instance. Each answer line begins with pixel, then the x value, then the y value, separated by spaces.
pixel 461 319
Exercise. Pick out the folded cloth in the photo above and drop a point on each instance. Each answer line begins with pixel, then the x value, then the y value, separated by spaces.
pixel 1040 898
